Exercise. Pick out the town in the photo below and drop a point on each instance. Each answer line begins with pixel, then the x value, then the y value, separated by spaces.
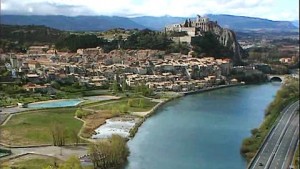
pixel 92 67
pixel 43 67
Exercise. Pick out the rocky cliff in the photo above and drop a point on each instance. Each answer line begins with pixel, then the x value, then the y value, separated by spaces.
pixel 227 38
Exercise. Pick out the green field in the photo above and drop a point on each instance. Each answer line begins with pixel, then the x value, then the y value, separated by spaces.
pixel 32 163
pixel 136 105
pixel 33 127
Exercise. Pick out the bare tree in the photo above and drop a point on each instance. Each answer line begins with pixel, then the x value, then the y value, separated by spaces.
pixel 74 136
pixel 110 153
pixel 58 133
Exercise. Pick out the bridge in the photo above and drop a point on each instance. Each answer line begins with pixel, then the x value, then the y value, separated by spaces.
pixel 276 78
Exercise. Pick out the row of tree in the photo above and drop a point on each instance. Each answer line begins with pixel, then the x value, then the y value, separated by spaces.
pixel 138 89
pixel 111 153
pixel 60 133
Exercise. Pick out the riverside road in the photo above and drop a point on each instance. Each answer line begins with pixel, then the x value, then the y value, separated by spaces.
pixel 277 150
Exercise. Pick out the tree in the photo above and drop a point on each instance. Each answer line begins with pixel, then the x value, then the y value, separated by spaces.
pixel 130 102
pixel 109 154
pixel 115 87
pixel 79 113
pixel 55 85
pixel 209 44
pixel 124 86
pixel 74 136
pixel 143 89
pixel 142 103
pixel 58 133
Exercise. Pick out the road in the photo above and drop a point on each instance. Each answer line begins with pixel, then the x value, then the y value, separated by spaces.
pixel 285 153
pixel 265 156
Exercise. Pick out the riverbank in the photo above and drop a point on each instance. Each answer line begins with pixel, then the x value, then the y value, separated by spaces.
pixel 287 94
pixel 185 129
pixel 211 88
pixel 155 108
pixel 147 114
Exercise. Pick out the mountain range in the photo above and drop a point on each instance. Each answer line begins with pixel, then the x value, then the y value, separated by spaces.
pixel 102 23
pixel 78 23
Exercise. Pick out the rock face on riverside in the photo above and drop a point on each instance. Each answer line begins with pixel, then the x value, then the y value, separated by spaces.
pixel 202 25
pixel 228 38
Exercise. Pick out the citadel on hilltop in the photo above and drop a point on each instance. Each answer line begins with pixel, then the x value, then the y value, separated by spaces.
pixel 194 28
pixel 201 24
pixel 186 31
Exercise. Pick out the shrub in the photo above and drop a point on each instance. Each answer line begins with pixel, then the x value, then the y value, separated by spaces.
pixel 80 113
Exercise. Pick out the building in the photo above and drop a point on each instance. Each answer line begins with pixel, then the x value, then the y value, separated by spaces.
pixel 90 51
pixel 193 28
pixel 38 49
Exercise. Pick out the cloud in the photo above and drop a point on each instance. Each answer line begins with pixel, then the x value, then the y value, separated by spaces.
pixel 40 7
pixel 270 9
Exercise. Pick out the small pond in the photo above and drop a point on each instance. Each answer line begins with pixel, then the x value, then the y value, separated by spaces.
pixel 55 103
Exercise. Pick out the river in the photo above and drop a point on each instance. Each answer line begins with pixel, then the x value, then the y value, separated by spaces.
pixel 201 131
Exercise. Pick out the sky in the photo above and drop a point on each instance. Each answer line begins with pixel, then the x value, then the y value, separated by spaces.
pixel 269 9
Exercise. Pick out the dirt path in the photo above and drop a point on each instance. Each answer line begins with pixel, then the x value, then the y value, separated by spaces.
pixel 62 153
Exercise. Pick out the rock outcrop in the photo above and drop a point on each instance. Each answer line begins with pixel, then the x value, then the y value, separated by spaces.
pixel 203 24
pixel 227 38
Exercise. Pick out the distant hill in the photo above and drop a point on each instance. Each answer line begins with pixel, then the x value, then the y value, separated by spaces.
pixel 102 23
pixel 78 23
pixel 19 37
pixel 237 23
pixel 157 23
pixel 241 23
pixel 30 34
pixel 296 23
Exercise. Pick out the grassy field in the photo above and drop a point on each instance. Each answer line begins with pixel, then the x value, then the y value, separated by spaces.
pixel 96 92
pixel 33 162
pixel 132 104
pixel 112 108
pixel 30 162
pixel 33 127
pixel 92 103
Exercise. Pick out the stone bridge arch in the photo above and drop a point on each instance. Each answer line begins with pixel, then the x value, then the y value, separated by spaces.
pixel 276 78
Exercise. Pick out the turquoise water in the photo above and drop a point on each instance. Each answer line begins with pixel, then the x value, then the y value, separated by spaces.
pixel 202 131
pixel 55 103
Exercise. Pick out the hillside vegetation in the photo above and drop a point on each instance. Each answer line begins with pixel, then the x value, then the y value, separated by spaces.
pixel 19 38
